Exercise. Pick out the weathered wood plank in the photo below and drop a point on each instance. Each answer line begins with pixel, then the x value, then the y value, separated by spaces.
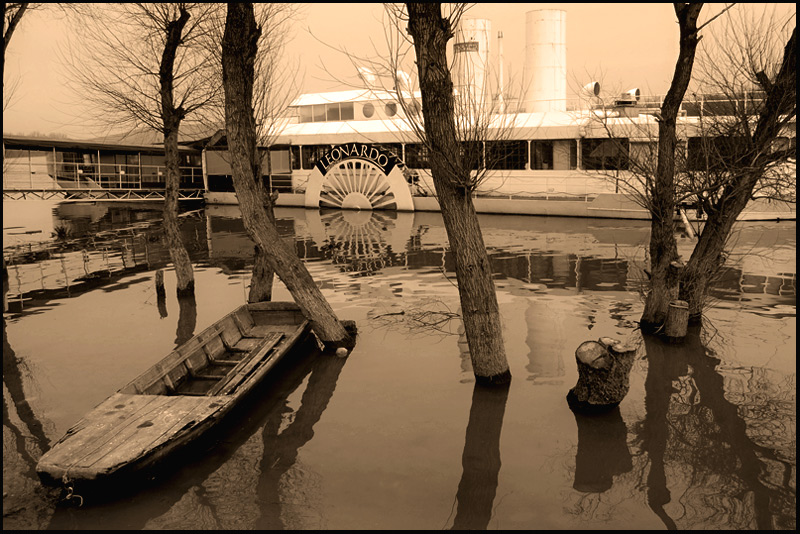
pixel 238 373
pixel 116 435
pixel 130 429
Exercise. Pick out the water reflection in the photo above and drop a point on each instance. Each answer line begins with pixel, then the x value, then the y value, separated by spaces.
pixel 602 451
pixel 541 253
pixel 481 458
pixel 740 474
pixel 710 430
pixel 248 475
pixel 24 441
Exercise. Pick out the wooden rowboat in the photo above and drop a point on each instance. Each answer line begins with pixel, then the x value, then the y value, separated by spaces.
pixel 176 400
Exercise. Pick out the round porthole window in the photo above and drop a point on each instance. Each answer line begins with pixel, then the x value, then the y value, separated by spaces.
pixel 391 109
pixel 368 110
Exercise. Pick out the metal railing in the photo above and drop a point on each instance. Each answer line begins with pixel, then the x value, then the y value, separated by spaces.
pixel 19 174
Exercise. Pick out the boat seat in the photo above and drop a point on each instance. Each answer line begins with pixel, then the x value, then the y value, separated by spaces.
pixel 243 329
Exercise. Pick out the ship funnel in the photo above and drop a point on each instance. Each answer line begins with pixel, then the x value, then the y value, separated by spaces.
pixel 471 60
pixel 545 73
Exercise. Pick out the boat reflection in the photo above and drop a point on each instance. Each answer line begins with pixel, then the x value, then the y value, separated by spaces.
pixel 247 475
pixel 542 253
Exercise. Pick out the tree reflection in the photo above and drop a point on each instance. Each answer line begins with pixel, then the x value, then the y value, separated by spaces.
pixel 481 458
pixel 27 442
pixel 281 447
pixel 713 462
pixel 241 476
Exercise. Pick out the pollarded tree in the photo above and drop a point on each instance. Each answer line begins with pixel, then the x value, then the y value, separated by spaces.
pixel 748 150
pixel 453 159
pixel 734 146
pixel 239 53
pixel 274 88
pixel 146 67
pixel 663 247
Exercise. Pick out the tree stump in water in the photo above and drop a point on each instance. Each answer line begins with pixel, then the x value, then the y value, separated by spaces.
pixel 604 368
pixel 677 321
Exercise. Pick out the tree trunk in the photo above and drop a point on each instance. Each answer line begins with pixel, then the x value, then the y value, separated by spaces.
pixel 177 250
pixel 171 117
pixel 663 247
pixel 706 260
pixel 239 46
pixel 263 274
pixel 604 369
pixel 708 255
pixel 677 321
pixel 261 281
pixel 481 314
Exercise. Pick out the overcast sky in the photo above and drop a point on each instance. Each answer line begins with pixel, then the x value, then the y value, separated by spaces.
pixel 622 45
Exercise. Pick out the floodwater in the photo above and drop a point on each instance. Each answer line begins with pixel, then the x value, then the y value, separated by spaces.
pixel 397 436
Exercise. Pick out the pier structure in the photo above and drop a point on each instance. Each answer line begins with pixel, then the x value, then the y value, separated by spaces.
pixel 61 169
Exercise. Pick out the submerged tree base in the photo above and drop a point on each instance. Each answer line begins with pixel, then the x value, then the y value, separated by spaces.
pixel 494 380
pixel 188 291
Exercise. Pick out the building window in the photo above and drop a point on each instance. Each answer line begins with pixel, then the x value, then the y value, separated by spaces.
pixel 413 108
pixel 541 155
pixel 306 114
pixel 715 153
pixel 392 148
pixel 391 109
pixel 319 114
pixel 332 112
pixel 507 155
pixel 346 112
pixel 604 154
pixel 557 154
pixel 472 154
pixel 368 110
pixel 417 156
pixel 312 154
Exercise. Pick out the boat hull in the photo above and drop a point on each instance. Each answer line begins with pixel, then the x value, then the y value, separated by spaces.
pixel 602 206
pixel 158 414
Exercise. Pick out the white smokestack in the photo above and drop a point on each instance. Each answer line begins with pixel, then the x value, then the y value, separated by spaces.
pixel 545 77
pixel 471 59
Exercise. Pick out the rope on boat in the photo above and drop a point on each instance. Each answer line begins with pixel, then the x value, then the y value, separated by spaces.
pixel 69 491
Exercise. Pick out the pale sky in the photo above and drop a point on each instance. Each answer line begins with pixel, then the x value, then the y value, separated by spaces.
pixel 621 45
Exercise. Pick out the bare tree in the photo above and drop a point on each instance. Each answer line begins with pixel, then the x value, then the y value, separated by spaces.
pixel 745 150
pixel 453 159
pixel 735 145
pixel 239 52
pixel 146 67
pixel 12 15
pixel 663 247
pixel 274 88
